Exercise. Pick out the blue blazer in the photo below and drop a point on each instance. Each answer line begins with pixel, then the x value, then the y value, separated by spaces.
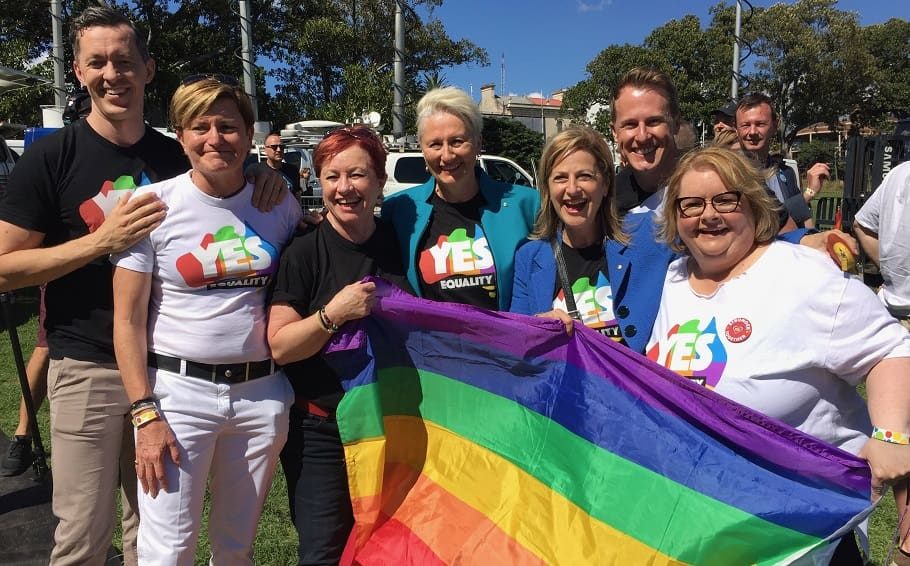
pixel 507 218
pixel 636 272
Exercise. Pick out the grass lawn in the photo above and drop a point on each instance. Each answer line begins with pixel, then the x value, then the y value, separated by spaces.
pixel 276 543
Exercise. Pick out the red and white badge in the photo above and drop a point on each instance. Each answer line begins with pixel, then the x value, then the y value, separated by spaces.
pixel 738 330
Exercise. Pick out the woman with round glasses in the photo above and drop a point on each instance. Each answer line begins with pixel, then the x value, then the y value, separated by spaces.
pixel 208 404
pixel 776 326
pixel 613 271
pixel 318 290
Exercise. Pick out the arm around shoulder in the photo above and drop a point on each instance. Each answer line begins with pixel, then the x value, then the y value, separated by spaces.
pixel 23 264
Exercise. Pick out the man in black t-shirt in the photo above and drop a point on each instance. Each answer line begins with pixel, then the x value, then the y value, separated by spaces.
pixel 67 207
pixel 274 159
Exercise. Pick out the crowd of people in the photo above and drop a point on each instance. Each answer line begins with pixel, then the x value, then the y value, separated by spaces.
pixel 187 305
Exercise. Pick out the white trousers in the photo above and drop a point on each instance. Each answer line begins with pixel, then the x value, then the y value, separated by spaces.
pixel 230 434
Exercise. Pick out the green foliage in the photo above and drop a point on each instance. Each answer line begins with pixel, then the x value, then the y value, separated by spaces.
pixel 812 62
pixel 334 57
pixel 512 139
pixel 816 151
pixel 696 59
pixel 815 61
pixel 888 43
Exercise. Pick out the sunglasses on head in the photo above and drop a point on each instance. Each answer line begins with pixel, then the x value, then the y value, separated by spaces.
pixel 358 133
pixel 218 77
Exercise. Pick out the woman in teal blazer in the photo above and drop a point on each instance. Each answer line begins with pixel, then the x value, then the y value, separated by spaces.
pixel 459 230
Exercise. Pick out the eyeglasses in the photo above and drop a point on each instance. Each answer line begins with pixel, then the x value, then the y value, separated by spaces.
pixel 276 147
pixel 723 203
pixel 218 77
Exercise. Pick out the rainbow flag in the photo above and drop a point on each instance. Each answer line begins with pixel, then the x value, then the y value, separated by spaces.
pixel 475 437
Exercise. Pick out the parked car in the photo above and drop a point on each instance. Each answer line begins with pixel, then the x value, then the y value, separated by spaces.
pixel 408 169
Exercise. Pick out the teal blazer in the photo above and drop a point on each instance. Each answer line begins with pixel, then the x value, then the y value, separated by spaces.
pixel 507 218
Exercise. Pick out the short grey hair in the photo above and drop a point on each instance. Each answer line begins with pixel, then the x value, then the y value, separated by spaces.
pixel 454 101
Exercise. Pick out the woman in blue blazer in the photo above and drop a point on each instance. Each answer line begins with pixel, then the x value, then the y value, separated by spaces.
pixel 616 269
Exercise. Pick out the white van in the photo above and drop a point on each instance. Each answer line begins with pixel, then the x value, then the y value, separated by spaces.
pixel 408 169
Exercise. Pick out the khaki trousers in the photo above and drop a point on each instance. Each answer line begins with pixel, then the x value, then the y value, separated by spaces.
pixel 92 454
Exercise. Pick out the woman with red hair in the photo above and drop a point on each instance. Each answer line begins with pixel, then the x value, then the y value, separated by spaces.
pixel 318 289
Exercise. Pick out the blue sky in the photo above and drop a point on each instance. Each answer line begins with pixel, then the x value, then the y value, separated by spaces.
pixel 547 44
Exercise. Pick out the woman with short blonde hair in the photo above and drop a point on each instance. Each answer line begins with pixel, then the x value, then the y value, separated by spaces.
pixel 208 404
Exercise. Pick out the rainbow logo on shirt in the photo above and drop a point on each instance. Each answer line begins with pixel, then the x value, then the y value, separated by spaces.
pixel 594 302
pixel 691 352
pixel 458 254
pixel 94 210
pixel 227 259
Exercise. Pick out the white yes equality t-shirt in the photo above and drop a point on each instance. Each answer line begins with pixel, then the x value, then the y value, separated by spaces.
pixel 791 337
pixel 211 261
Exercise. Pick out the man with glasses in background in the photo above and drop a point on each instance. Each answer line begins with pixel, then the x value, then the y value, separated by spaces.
pixel 274 158
pixel 67 207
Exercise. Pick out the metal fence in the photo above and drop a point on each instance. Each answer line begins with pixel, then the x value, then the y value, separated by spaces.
pixel 826 210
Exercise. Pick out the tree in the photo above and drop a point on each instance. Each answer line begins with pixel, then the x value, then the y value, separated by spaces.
pixel 696 59
pixel 337 55
pixel 604 73
pixel 816 151
pixel 812 62
pixel 512 139
pixel 888 44
pixel 334 56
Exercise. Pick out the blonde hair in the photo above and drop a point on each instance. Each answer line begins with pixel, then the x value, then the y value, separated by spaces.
pixel 578 138
pixel 737 173
pixel 454 101
pixel 195 99
pixel 726 138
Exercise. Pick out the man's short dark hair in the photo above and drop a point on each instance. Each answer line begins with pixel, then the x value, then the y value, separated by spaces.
pixel 754 99
pixel 104 16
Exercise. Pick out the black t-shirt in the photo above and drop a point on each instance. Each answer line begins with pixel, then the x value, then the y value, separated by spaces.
pixel 287 170
pixel 587 271
pixel 454 263
pixel 64 186
pixel 314 268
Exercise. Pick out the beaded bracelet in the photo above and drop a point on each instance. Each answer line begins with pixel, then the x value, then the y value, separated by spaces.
pixel 890 436
pixel 321 322
pixel 326 322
